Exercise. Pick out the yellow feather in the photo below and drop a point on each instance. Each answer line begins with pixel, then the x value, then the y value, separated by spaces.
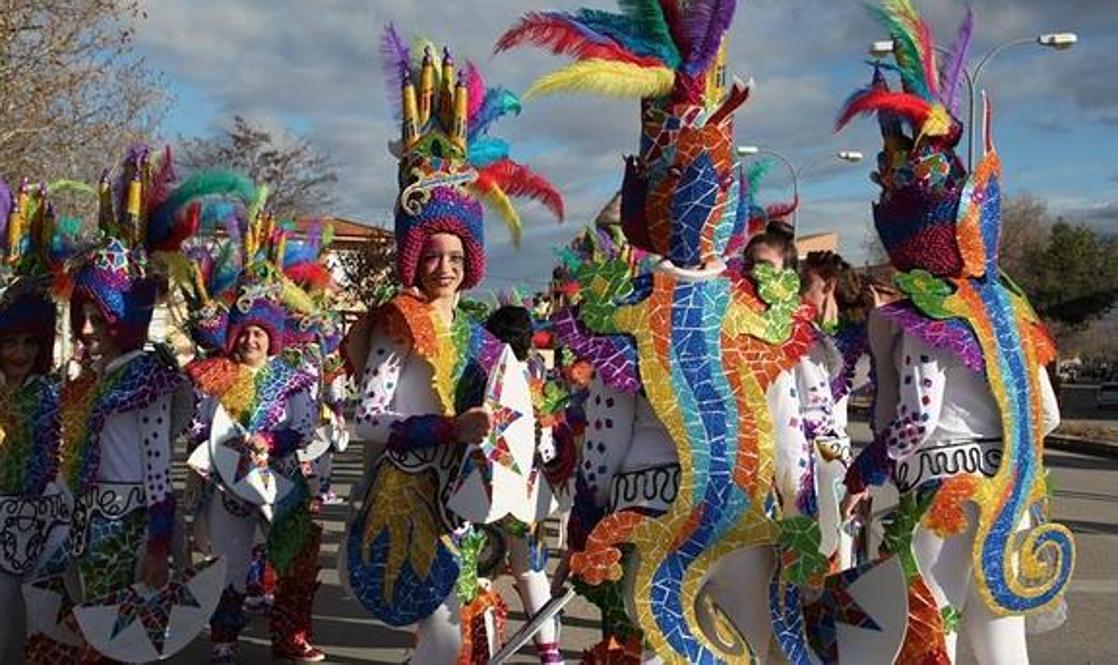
pixel 500 202
pixel 614 79
pixel 938 123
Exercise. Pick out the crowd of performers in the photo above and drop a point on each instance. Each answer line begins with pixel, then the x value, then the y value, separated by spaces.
pixel 687 412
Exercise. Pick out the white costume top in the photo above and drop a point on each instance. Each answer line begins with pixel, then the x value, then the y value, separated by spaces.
pixel 136 445
pixel 390 366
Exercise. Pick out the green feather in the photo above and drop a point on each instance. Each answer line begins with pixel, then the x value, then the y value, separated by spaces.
pixel 756 171
pixel 905 49
pixel 75 186
pixel 206 183
pixel 650 16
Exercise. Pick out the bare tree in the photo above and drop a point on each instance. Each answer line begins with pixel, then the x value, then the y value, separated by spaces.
pixel 301 178
pixel 1026 224
pixel 370 273
pixel 74 95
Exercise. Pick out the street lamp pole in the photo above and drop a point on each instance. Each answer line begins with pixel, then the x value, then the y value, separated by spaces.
pixel 1060 41
pixel 849 156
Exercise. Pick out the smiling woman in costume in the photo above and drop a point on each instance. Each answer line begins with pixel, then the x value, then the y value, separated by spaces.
pixel 423 363
pixel 264 398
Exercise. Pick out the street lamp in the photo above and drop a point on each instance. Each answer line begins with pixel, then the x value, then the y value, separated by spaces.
pixel 1059 41
pixel 848 156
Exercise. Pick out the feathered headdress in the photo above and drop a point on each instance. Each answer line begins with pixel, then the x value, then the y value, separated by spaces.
pixel 231 272
pixel 121 274
pixel 304 263
pixel 921 177
pixel 34 245
pixel 449 164
pixel 680 196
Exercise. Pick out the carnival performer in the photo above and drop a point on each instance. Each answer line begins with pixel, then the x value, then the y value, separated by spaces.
pixel 527 553
pixel 335 394
pixel 842 299
pixel 121 413
pixel 963 402
pixel 422 364
pixel 35 513
pixel 266 395
pixel 678 449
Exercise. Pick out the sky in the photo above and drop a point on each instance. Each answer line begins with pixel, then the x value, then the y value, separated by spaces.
pixel 312 68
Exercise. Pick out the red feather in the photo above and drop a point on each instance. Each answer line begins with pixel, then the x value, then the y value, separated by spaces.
pixel 564 37
pixel 311 275
pixel 778 211
pixel 874 100
pixel 186 225
pixel 520 181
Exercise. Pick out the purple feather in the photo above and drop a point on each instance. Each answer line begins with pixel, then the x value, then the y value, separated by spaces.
pixel 704 24
pixel 5 208
pixel 955 69
pixel 395 57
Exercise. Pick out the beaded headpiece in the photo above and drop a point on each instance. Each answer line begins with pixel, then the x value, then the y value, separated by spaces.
pixel 922 179
pixel 449 165
pixel 136 219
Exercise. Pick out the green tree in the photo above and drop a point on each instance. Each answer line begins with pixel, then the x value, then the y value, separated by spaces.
pixel 1073 278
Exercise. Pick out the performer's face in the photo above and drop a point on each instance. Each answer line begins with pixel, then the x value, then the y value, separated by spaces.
pixel 252 346
pixel 816 290
pixel 442 265
pixel 765 253
pixel 94 333
pixel 17 356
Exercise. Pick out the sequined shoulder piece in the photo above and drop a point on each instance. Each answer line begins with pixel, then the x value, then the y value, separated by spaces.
pixel 614 357
pixel 90 399
pixel 953 335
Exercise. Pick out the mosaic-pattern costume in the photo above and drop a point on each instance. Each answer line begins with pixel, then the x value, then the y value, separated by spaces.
pixel 410 559
pixel 273 401
pixel 237 285
pixel 679 446
pixel 117 430
pixel 119 417
pixel 962 400
pixel 34 513
pixel 405 559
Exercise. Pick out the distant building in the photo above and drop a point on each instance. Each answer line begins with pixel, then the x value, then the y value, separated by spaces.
pixel 817 242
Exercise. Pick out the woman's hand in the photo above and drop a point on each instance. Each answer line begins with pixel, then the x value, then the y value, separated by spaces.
pixel 852 503
pixel 473 425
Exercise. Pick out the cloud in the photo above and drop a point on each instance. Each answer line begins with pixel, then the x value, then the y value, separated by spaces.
pixel 315 67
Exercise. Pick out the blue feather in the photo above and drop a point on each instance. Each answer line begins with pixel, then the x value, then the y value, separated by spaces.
pixel 484 151
pixel 498 102
pixel 296 252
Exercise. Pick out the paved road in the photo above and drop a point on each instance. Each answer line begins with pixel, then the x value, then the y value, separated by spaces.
pixel 1086 500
